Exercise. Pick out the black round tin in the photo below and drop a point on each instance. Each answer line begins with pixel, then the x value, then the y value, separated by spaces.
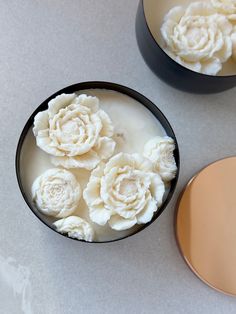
pixel 108 86
pixel 170 71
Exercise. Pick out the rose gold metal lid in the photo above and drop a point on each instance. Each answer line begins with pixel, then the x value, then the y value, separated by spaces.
pixel 206 225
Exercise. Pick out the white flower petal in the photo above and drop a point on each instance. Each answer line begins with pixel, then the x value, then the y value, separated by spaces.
pixel 132 160
pixel 92 191
pixel 167 30
pixel 118 223
pixel 59 102
pixel 157 189
pixel 227 7
pixel 141 163
pixel 40 122
pixel 87 161
pixel 224 25
pixel 99 170
pixel 107 127
pixel 120 159
pixel 45 144
pixel 154 143
pixel 105 147
pixel 75 227
pixel 89 101
pixel 200 9
pixel 99 214
pixel 147 213
pixel 194 66
pixel 41 132
pixel 212 67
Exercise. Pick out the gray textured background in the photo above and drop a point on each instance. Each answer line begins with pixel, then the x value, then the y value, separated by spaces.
pixel 44 46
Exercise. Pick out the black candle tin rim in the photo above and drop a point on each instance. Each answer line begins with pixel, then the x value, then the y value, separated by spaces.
pixel 108 86
pixel 175 62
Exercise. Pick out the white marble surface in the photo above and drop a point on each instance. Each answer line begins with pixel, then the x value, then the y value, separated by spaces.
pixel 46 45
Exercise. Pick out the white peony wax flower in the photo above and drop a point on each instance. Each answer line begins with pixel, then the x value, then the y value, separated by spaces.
pixel 123 192
pixel 74 131
pixel 75 227
pixel 160 151
pixel 198 37
pixel 56 193
pixel 226 7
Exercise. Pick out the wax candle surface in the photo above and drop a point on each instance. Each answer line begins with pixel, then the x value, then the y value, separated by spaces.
pixel 134 126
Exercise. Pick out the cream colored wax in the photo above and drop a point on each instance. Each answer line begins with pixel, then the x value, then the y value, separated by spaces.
pixel 134 126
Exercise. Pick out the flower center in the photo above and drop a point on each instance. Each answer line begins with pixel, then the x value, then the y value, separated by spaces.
pixel 71 127
pixel 55 191
pixel 128 187
pixel 193 36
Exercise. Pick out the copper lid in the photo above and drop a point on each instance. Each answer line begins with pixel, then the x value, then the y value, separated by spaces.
pixel 206 225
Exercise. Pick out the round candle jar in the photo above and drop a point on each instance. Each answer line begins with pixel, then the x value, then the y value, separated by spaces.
pixel 135 118
pixel 149 19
